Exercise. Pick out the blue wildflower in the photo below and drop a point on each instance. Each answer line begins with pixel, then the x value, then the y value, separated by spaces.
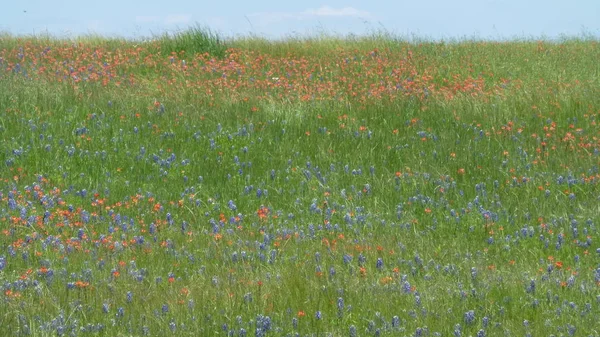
pixel 470 316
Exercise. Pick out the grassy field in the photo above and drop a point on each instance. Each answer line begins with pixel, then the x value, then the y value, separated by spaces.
pixel 324 186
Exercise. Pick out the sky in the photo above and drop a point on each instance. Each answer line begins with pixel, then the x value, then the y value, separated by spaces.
pixel 429 19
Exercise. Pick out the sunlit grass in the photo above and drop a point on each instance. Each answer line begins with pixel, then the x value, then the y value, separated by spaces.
pixel 319 186
pixel 192 40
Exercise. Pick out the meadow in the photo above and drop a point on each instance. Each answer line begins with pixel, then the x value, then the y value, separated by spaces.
pixel 192 185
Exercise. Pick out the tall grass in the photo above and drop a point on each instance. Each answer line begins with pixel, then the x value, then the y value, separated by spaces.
pixel 196 39
pixel 312 186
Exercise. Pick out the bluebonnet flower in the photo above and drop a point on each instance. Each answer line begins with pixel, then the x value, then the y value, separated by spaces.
pixel 248 297
pixel 470 316
pixel 361 259
pixel 340 306
pixel 457 330
pixel 418 260
pixel 531 287
pixel 352 331
pixel 571 281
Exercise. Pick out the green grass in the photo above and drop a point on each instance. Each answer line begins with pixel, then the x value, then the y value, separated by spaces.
pixel 191 41
pixel 470 168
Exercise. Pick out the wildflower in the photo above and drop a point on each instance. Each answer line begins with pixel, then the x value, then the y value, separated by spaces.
pixel 457 330
pixel 469 317
pixel 531 287
pixel 340 306
pixel 352 331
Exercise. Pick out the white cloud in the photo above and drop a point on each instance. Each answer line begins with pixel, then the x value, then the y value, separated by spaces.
pixel 178 18
pixel 94 26
pixel 147 19
pixel 329 11
pixel 171 19
pixel 217 22
pixel 266 18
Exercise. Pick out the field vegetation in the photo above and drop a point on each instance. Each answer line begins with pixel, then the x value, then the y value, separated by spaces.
pixel 315 186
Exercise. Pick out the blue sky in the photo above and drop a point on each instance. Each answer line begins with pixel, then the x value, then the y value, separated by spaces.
pixel 436 19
